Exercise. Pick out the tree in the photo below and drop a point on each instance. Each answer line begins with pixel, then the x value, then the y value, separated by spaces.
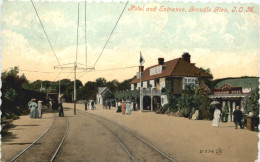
pixel 208 81
pixel 251 102
pixel 101 82
pixel 113 85
pixel 109 95
pixel 12 85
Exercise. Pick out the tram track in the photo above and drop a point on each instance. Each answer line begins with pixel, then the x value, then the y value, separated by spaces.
pixel 43 144
pixel 118 140
pixel 143 150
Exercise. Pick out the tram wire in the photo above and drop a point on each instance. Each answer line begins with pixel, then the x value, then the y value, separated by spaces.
pixel 107 70
pixel 110 35
pixel 45 32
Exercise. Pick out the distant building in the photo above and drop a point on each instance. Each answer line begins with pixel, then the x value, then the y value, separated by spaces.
pixel 179 72
pixel 231 92
pixel 101 93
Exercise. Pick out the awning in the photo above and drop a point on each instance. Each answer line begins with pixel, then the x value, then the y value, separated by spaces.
pixel 228 95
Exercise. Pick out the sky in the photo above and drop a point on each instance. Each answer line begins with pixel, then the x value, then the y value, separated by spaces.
pixel 225 42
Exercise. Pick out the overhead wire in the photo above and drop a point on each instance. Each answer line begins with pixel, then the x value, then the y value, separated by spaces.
pixel 58 75
pixel 86 35
pixel 129 67
pixel 77 36
pixel 33 71
pixel 45 32
pixel 110 35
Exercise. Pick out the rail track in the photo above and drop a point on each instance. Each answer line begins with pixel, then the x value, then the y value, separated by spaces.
pixel 26 150
pixel 121 139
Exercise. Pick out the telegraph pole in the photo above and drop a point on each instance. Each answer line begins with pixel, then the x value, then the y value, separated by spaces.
pixel 75 98
pixel 59 91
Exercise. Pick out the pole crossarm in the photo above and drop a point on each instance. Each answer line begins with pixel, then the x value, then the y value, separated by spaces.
pixel 79 68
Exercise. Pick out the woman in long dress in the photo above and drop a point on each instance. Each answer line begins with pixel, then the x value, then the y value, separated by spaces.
pixel 40 108
pixel 34 111
pixel 123 107
pixel 128 108
pixel 215 122
pixel 119 107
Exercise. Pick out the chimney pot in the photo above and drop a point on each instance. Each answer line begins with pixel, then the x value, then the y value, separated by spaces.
pixel 186 56
pixel 141 68
pixel 160 61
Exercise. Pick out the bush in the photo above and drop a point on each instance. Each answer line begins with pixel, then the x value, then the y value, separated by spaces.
pixel 204 114
pixel 185 112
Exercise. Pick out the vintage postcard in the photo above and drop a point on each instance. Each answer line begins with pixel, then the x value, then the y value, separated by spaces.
pixel 129 81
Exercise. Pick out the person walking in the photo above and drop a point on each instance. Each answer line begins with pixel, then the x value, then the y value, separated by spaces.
pixel 50 105
pixel 92 105
pixel 106 104
pixel 29 105
pixel 109 105
pixel 40 108
pixel 61 113
pixel 123 107
pixel 119 107
pixel 217 112
pixel 238 117
pixel 134 106
pixel 86 105
pixel 128 107
pixel 33 109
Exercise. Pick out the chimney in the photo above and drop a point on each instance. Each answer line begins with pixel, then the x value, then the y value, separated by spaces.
pixel 186 57
pixel 160 61
pixel 141 68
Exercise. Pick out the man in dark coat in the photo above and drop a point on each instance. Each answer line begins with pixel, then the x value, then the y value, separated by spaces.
pixel 61 113
pixel 86 105
pixel 109 105
pixel 238 117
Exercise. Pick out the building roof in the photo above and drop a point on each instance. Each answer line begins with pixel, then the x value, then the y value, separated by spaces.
pixel 175 67
pixel 101 90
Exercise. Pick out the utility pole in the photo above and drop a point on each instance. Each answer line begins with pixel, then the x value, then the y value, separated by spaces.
pixel 59 91
pixel 75 98
pixel 75 67
pixel 41 87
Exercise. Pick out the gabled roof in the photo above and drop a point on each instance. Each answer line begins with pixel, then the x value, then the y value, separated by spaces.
pixel 176 67
pixel 101 90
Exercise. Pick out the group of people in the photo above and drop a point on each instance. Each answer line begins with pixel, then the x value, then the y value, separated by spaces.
pixel 237 117
pixel 35 108
pixel 107 105
pixel 125 107
pixel 92 105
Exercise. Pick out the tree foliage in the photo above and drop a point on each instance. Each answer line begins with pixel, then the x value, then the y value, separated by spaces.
pixel 251 102
pixel 12 84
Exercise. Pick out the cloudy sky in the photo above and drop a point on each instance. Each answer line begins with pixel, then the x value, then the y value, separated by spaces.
pixel 227 43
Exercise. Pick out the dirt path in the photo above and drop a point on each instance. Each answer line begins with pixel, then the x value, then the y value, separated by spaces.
pixel 185 139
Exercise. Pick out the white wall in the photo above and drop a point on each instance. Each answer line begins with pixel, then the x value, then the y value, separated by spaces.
pixel 164 100
pixel 151 82
pixel 162 83
pixel 132 86
pixel 145 84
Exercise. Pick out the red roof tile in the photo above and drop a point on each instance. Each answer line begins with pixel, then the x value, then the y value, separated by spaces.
pixel 176 67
